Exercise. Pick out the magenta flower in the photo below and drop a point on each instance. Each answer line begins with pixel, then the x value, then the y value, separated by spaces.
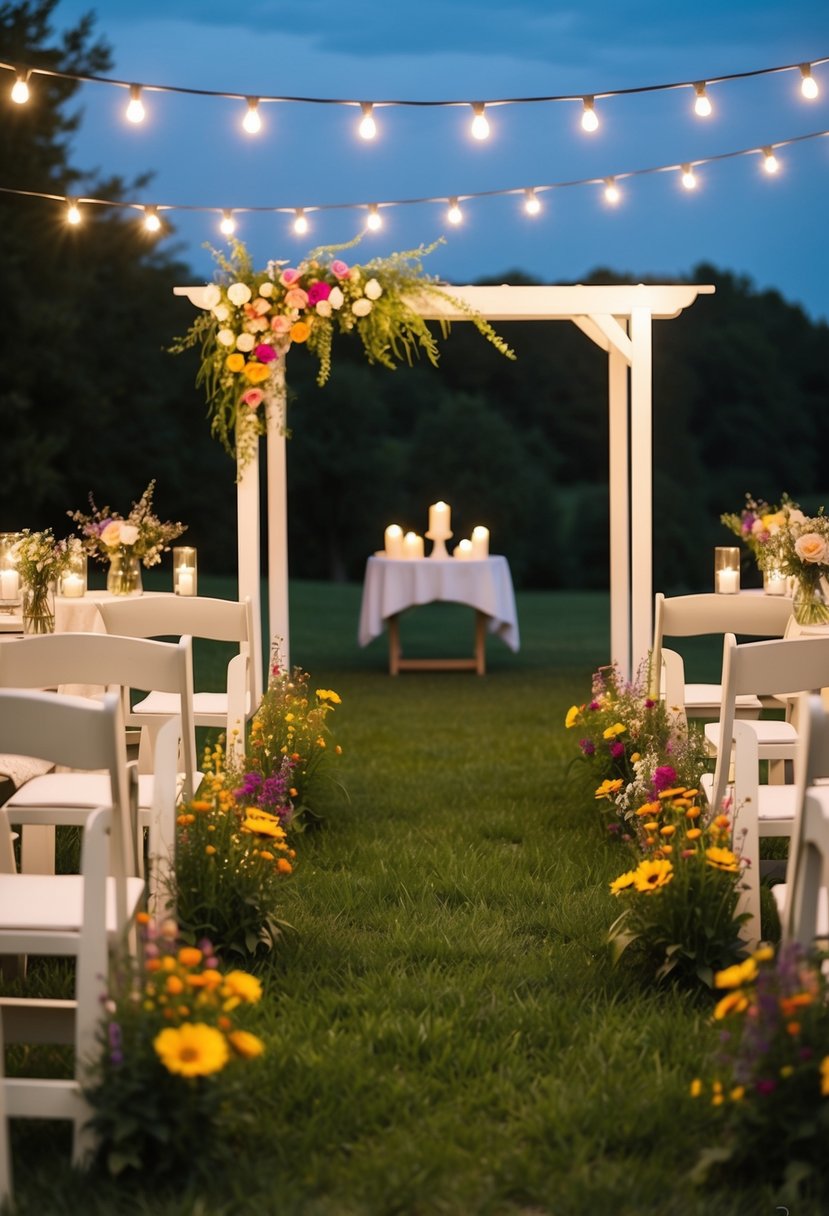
pixel 617 749
pixel 340 270
pixel 587 746
pixel 317 292
pixel 664 777
pixel 265 353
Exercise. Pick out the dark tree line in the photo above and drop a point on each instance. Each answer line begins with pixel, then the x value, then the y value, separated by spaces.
pixel 91 400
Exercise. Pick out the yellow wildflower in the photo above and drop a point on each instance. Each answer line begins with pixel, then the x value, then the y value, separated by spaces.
pixel 618 728
pixel 696 1087
pixel 191 1050
pixel 245 1044
pixel 653 874
pixel 732 1002
pixel 722 859
pixel 739 973
pixel 573 716
pixel 328 694
pixel 623 882
pixel 240 983
pixel 608 787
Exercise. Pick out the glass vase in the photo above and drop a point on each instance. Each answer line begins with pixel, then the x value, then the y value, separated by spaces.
pixel 38 607
pixel 810 605
pixel 124 576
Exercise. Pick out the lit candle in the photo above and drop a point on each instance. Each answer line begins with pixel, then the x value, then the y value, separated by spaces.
pixel 439 518
pixel 186 580
pixel 774 582
pixel 394 541
pixel 728 582
pixel 463 550
pixel 9 585
pixel 480 541
pixel 72 585
pixel 412 545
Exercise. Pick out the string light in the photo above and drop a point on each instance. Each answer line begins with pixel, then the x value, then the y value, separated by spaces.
pixel 151 221
pixel 252 122
pixel 454 214
pixel 770 162
pixel 589 118
pixel 73 213
pixel 702 105
pixel 689 180
pixel 374 221
pixel 228 225
pixel 532 204
pixel 135 109
pixel 301 222
pixel 20 88
pixel 480 123
pixel 808 84
pixel 612 193
pixel 368 127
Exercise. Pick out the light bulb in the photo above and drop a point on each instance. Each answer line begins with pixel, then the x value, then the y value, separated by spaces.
pixel 532 206
pixel 368 127
pixel 301 222
pixel 135 109
pixel 688 179
pixel 612 192
pixel 151 221
pixel 589 118
pixel 228 224
pixel 454 214
pixel 808 84
pixel 374 222
pixel 252 122
pixel 20 89
pixel 770 162
pixel 702 105
pixel 480 125
pixel 73 214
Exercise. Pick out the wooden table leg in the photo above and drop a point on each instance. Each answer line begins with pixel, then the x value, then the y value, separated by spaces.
pixel 394 644
pixel 480 642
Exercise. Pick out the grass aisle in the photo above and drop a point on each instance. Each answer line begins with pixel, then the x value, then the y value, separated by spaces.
pixel 445 1031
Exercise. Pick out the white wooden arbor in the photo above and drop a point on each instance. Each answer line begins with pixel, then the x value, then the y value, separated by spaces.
pixel 619 319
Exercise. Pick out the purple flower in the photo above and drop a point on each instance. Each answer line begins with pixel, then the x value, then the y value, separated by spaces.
pixel 617 749
pixel 664 777
pixel 116 1055
pixel 587 746
pixel 649 703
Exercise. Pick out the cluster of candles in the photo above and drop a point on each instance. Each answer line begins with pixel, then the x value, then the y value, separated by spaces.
pixel 727 574
pixel 407 545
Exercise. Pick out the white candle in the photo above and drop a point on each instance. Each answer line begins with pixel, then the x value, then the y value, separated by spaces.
pixel 186 580
pixel 72 585
pixel 775 583
pixel 480 541
pixel 728 582
pixel 412 545
pixel 9 585
pixel 394 541
pixel 439 519
pixel 463 550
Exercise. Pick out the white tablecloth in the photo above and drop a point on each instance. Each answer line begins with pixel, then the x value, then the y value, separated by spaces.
pixel 392 585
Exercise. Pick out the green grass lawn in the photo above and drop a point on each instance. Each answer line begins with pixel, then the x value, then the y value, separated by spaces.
pixel 446 1033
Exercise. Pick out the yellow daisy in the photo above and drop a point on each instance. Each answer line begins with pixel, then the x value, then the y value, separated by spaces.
pixel 653 874
pixel 191 1050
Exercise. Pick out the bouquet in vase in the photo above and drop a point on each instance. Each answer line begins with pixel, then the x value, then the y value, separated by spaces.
pixel 124 542
pixel 759 521
pixel 40 561
pixel 800 549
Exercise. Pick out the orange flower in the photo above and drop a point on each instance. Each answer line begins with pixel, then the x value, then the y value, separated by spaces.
pixel 693 833
pixel 257 373
pixel 235 362
pixel 284 866
pixel 300 331
pixel 190 956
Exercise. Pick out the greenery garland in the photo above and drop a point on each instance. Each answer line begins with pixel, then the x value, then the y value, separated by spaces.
pixel 251 318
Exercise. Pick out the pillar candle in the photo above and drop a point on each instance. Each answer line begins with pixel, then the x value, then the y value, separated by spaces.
pixel 439 519
pixel 186 580
pixel 9 585
pixel 463 550
pixel 72 585
pixel 480 541
pixel 728 582
pixel 394 541
pixel 412 545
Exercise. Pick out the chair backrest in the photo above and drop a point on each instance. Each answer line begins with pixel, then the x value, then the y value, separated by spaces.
pixel 199 616
pixel 98 658
pixel 785 666
pixel 684 616
pixel 807 869
pixel 80 733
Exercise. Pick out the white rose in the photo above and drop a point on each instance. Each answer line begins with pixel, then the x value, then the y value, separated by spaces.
pixel 245 342
pixel 226 337
pixel 323 308
pixel 238 294
pixel 336 299
pixel 811 547
pixel 111 534
pixel 221 312
pixel 373 289
pixel 211 296
pixel 361 307
pixel 796 516
pixel 266 289
pixel 129 534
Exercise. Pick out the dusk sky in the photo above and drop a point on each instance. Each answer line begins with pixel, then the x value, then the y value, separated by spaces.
pixel 771 228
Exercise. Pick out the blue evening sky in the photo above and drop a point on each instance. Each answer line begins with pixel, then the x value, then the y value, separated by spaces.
pixel 739 218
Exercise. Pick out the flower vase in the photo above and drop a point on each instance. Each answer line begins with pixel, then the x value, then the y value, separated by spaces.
pixel 124 577
pixel 38 607
pixel 810 605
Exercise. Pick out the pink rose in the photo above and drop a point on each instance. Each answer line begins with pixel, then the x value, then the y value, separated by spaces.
pixel 280 324
pixel 811 547
pixel 317 292
pixel 339 269
pixel 296 297
pixel 288 277
pixel 253 397
pixel 265 353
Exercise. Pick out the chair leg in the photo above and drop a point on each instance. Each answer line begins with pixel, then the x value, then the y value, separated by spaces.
pixel 5 1151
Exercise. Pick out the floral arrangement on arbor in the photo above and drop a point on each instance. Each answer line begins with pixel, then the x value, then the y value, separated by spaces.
pixel 252 317
pixel 105 533
pixel 40 561
pixel 770 1089
pixel 174 1055
pixel 758 521
pixel 681 897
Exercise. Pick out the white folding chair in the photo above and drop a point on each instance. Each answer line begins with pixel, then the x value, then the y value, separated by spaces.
pixel 100 659
pixel 83 916
pixel 200 617
pixel 684 616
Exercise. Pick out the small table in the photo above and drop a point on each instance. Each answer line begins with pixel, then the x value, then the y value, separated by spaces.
pixel 394 584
